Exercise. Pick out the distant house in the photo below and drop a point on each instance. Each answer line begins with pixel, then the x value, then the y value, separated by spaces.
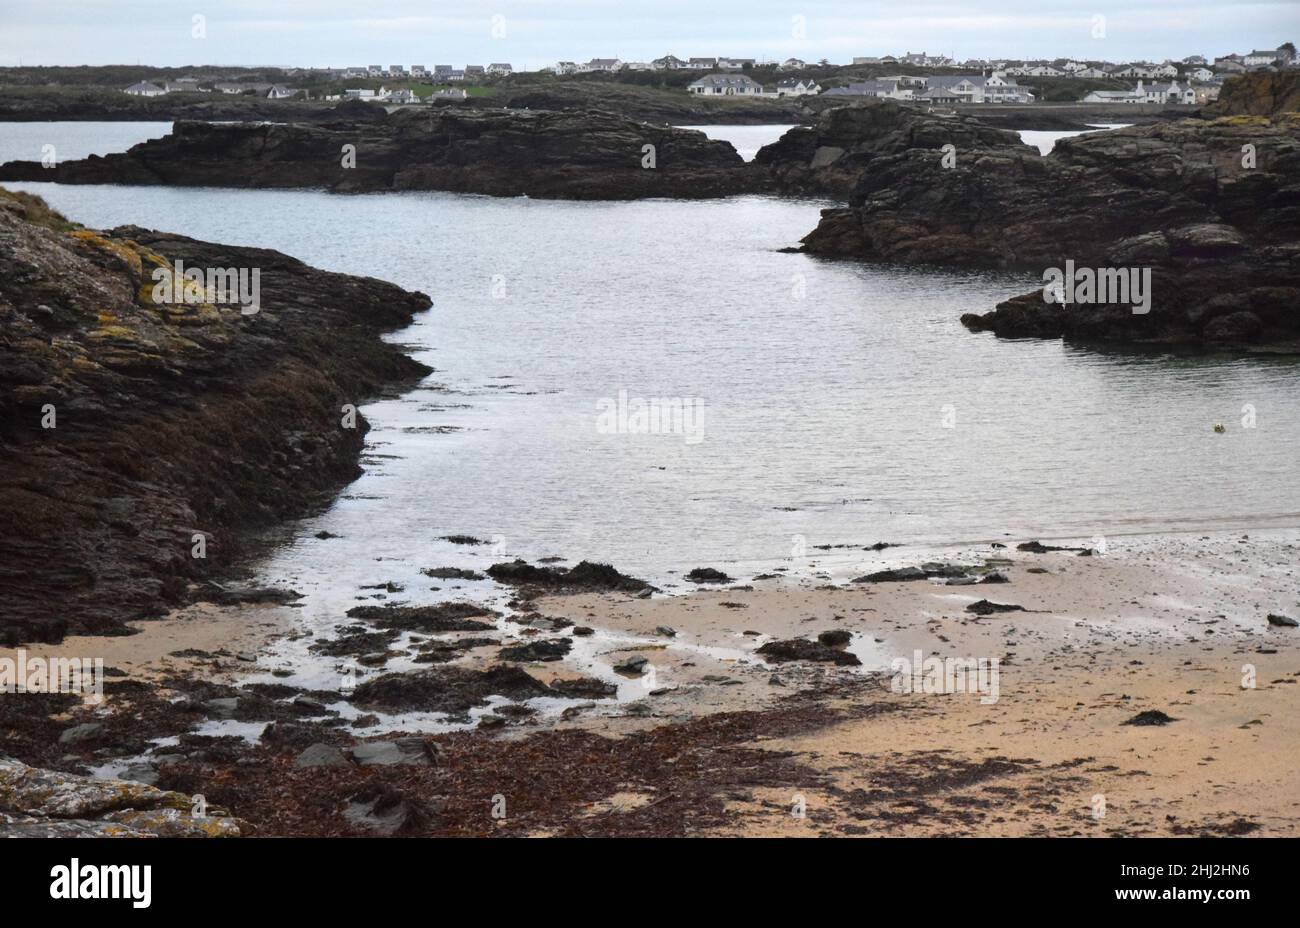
pixel 355 72
pixel 1092 72
pixel 1193 60
pixel 601 65
pixel 796 64
pixel 1172 92
pixel 1206 93
pixel 144 89
pixel 499 69
pixel 402 96
pixel 702 64
pixel 794 87
pixel 973 88
pixel 637 66
pixel 1115 96
pixel 441 70
pixel 1201 74
pixel 183 85
pixel 1262 59
pixel 375 70
pixel 453 75
pixel 735 64
pixel 668 63
pixel 740 85
pixel 1228 66
pixel 396 70
pixel 474 72
pixel 362 93
pixel 419 70
pixel 280 92
pixel 448 93
pixel 566 67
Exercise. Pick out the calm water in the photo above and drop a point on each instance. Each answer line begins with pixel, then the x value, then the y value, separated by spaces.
pixel 825 390
pixel 26 141
pixel 747 140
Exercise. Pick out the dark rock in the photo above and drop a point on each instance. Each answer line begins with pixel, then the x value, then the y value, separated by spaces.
pixel 451 573
pixel 585 576
pixel 568 155
pixel 1220 238
pixel 1150 717
pixel 1284 621
pixel 446 689
pixel 707 575
pixel 551 649
pixel 801 649
pixel 414 751
pixel 585 688
pixel 444 617
pixel 633 665
pixel 835 638
pixel 173 419
pixel 984 607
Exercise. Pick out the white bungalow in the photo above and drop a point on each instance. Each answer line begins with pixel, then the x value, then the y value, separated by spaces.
pixel 793 87
pixel 144 89
pixel 741 85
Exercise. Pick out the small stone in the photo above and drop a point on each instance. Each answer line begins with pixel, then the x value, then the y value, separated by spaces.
pixel 321 755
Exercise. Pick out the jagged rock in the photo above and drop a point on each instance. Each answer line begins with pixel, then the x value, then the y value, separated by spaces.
pixel 1219 233
pixel 707 575
pixel 1285 621
pixel 585 575
pixel 564 155
pixel 173 419
pixel 47 803
pixel 444 617
pixel 985 607
pixel 551 649
pixel 801 649
pixel 446 689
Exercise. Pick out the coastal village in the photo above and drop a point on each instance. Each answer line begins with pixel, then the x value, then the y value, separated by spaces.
pixel 923 78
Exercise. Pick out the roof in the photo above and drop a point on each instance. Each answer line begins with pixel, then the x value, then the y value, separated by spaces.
pixel 145 85
pixel 726 80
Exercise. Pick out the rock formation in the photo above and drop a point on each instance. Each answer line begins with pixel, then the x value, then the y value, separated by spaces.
pixel 130 425
pixel 564 155
pixel 1211 207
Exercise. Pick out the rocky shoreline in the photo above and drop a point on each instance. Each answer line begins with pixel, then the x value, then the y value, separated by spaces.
pixel 133 426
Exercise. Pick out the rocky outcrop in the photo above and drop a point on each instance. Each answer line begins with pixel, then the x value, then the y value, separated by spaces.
pixel 1259 93
pixel 36 803
pixel 830 158
pixel 132 427
pixel 1210 207
pixel 501 153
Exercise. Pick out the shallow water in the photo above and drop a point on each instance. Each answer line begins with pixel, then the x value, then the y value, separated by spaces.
pixel 837 403
pixel 747 140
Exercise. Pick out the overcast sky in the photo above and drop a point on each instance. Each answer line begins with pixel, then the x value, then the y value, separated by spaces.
pixel 533 33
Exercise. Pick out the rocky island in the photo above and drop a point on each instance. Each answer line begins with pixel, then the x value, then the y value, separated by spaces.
pixel 1207 205
pixel 560 155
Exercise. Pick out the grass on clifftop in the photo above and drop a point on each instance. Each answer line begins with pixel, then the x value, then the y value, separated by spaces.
pixel 35 210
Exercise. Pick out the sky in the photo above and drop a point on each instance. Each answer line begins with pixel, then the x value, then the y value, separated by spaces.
pixel 534 33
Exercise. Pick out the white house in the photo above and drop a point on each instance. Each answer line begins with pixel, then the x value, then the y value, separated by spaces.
pixel 375 70
pixel 144 89
pixel 668 63
pixel 741 85
pixel 1261 59
pixel 419 70
pixel 702 64
pixel 1201 74
pixel 1091 72
pixel 448 93
pixel 735 64
pixel 792 64
pixel 603 65
pixel 793 87
pixel 891 89
pixel 1171 92
pixel 280 92
pixel 1116 96
pixel 402 96
pixel 499 68
pixel 565 67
